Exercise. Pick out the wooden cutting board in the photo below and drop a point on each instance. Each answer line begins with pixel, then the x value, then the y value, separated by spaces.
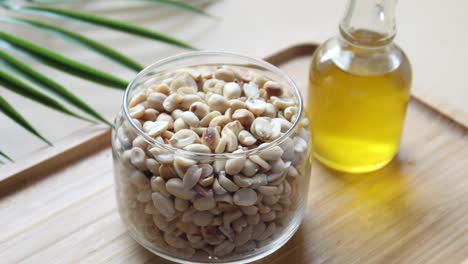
pixel 61 208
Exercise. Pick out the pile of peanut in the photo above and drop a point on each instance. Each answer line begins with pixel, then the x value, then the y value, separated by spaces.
pixel 189 204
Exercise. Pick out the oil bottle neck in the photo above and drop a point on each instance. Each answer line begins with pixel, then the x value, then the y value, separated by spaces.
pixel 369 22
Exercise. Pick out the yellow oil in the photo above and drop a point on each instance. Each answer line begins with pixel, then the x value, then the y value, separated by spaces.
pixel 357 113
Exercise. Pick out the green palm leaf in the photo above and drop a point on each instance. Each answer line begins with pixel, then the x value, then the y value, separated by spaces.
pixel 92 44
pixel 182 5
pixel 110 23
pixel 51 85
pixel 63 63
pixel 5 156
pixel 177 4
pixel 21 88
pixel 9 111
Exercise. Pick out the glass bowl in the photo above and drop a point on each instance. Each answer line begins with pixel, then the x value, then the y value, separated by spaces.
pixel 247 203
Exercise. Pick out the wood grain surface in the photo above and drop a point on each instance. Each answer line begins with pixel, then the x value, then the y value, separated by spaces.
pixel 415 210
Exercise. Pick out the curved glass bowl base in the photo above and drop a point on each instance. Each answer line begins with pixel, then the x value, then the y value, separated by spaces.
pixel 267 250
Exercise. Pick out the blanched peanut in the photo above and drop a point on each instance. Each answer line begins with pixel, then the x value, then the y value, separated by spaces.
pixel 188 100
pixel 244 116
pixel 159 185
pixel 175 187
pixel 139 180
pixel 186 90
pixel 202 218
pixel 218 189
pixel 207 119
pixel 267 190
pixel 235 126
pixel 224 74
pixel 200 109
pixel 221 146
pixel 273 88
pixel 211 138
pixel 253 219
pixel 245 197
pixel 137 111
pixel 190 118
pixel 206 181
pixel 292 172
pixel 256 106
pixel 230 217
pixel 219 121
pixel 266 129
pixel 200 148
pixel 289 112
pixel 150 114
pixel 160 221
pixel 202 203
pixel 195 74
pixel 180 124
pixel 176 113
pixel 205 192
pixel 159 88
pixel 271 153
pixel 156 128
pixel 183 162
pixel 218 103
pixel 261 162
pixel 191 177
pixel 235 165
pixel 163 204
pixel 242 181
pixel 136 99
pixel 183 79
pixel 156 100
pixel 172 102
pixel 282 103
pixel 213 86
pixel 246 139
pixel 180 204
pixel 174 241
pixel 259 180
pixel 232 90
pixel 247 247
pixel 235 104
pixel 187 228
pixel 250 168
pixel 251 90
pixel 258 230
pixel 226 183
pixel 153 166
pixel 249 210
pixel 231 140
pixel 183 138
pixel 224 248
pixel 239 224
pixel 167 118
pixel 271 228
pixel 137 157
pixel 270 111
pixel 198 130
pixel 226 198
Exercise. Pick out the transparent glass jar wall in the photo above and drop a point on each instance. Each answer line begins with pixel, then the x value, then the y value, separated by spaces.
pixel 230 215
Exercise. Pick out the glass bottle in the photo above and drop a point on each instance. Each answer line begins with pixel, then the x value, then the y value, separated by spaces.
pixel 359 90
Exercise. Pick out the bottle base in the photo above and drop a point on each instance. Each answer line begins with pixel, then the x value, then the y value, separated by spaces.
pixel 351 169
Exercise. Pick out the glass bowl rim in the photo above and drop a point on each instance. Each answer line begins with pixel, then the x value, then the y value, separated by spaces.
pixel 187 55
